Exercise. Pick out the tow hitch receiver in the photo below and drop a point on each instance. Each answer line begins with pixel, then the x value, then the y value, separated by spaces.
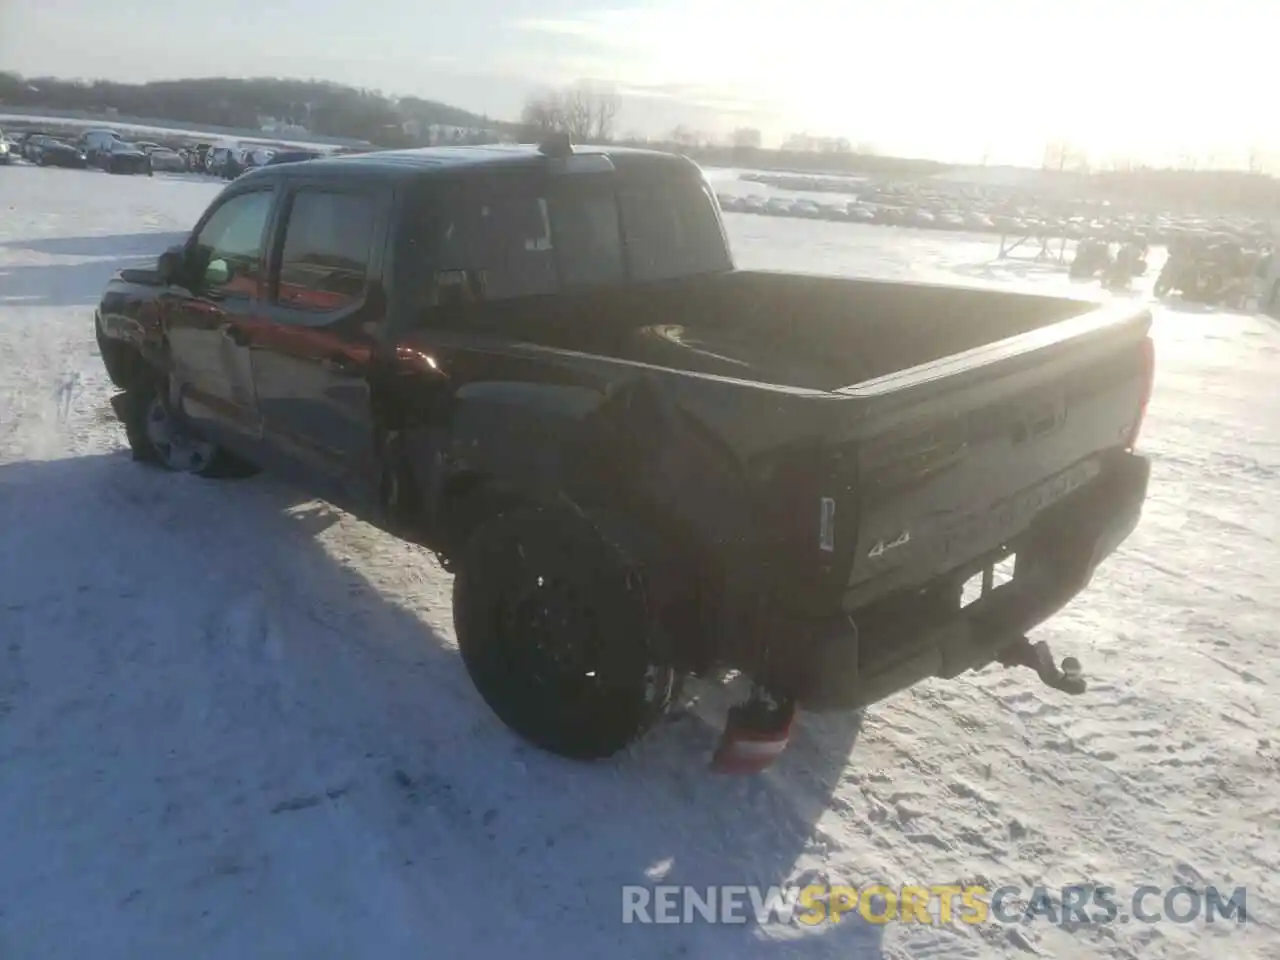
pixel 1023 653
pixel 755 735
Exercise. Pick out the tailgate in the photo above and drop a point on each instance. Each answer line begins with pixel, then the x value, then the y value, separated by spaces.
pixel 950 460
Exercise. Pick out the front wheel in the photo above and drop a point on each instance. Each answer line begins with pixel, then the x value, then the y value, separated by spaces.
pixel 159 436
pixel 557 631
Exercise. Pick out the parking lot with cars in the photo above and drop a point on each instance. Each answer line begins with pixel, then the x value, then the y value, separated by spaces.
pixel 114 152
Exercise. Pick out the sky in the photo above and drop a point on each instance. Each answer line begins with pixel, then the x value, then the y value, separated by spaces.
pixel 1153 80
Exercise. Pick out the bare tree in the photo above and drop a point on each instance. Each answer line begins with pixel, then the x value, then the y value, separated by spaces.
pixel 605 109
pixel 1056 154
pixel 579 114
pixel 542 115
pixel 582 112
pixel 685 137
pixel 1062 155
pixel 1257 159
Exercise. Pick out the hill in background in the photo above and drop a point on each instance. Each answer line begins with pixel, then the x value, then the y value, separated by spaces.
pixel 294 107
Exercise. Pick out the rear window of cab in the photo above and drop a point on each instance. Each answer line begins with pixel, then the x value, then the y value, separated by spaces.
pixel 516 236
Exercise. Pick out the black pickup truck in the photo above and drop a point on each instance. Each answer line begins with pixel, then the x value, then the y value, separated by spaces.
pixel 641 463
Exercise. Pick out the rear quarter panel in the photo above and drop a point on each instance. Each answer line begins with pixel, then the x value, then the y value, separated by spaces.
pixel 518 422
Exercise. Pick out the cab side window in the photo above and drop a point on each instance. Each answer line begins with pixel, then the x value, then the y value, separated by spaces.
pixel 324 265
pixel 227 256
pixel 671 230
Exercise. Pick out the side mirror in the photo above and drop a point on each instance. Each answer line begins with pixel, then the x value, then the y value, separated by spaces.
pixel 217 273
pixel 169 265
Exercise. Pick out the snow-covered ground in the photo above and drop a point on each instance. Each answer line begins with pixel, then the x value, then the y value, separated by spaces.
pixel 233 723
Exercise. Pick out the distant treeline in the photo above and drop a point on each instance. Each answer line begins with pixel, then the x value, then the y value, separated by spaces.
pixel 808 162
pixel 1256 194
pixel 333 110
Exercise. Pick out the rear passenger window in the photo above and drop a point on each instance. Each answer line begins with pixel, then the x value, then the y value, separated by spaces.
pixel 509 241
pixel 515 243
pixel 327 242
pixel 588 237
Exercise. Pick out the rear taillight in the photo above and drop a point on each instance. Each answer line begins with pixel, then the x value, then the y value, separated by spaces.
pixel 1148 382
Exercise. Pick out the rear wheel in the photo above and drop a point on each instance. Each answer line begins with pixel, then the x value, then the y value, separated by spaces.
pixel 557 631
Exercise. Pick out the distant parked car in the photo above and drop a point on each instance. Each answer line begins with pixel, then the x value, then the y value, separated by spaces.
pixel 224 161
pixel 34 144
pixel 95 144
pixel 126 157
pixel 253 157
pixel 162 158
pixel 859 213
pixel 293 156
pixel 196 157
pixel 59 153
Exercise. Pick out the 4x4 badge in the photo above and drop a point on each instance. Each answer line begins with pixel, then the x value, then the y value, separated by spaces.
pixel 884 546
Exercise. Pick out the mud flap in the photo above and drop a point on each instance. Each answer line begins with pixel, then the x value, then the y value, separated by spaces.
pixel 130 408
pixel 756 734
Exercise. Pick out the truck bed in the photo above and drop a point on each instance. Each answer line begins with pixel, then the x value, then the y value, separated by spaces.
pixel 934 423
pixel 812 332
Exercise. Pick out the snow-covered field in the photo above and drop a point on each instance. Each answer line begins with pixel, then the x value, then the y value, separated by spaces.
pixel 233 723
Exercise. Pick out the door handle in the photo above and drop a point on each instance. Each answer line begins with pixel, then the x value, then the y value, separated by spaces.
pixel 233 333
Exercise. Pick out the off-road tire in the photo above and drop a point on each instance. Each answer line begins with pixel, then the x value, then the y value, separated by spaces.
pixel 526 569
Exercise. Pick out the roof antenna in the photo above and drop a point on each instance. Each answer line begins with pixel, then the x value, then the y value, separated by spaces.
pixel 556 145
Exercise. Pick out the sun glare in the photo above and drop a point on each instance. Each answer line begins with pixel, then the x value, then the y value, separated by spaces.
pixel 1148 81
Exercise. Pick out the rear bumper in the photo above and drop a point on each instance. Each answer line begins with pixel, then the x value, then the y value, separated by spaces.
pixel 843 663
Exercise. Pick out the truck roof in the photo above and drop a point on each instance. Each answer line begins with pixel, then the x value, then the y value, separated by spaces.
pixel 426 161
